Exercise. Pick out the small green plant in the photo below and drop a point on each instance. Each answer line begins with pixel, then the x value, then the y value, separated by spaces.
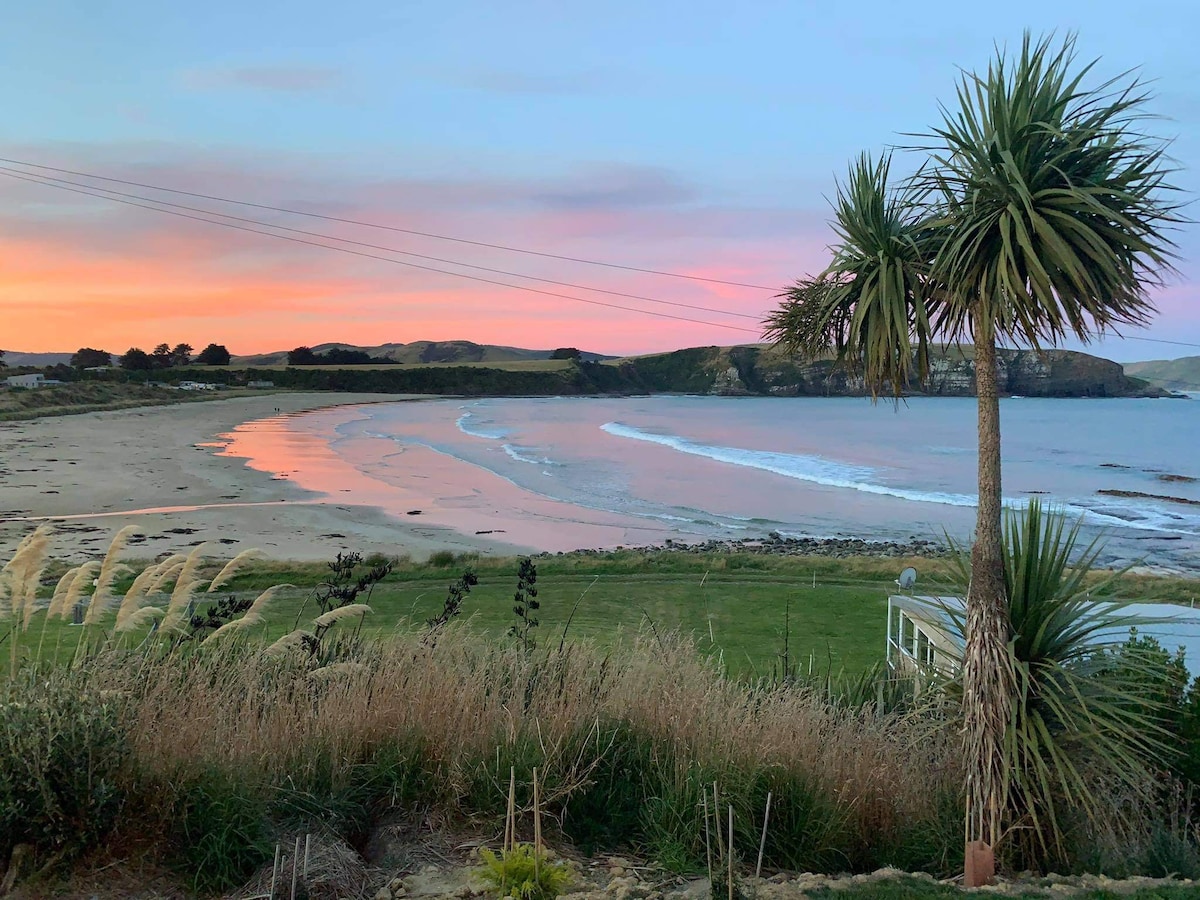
pixel 452 607
pixel 218 615
pixel 441 559
pixel 223 833
pixel 525 604
pixel 345 584
pixel 524 873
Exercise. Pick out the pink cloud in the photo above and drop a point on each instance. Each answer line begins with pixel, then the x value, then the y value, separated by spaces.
pixel 79 270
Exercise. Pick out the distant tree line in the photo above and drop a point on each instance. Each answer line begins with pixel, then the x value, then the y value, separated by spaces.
pixel 335 356
pixel 164 356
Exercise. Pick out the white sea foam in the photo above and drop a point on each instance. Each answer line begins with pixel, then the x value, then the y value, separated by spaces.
pixel 517 454
pixel 493 434
pixel 818 470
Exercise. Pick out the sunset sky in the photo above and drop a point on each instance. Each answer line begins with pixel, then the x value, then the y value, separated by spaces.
pixel 696 138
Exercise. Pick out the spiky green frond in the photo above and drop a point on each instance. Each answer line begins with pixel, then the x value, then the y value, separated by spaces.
pixel 1055 206
pixel 871 307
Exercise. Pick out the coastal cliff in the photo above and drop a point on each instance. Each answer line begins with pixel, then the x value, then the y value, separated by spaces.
pixel 758 371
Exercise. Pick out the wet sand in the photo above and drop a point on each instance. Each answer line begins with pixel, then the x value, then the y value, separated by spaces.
pixel 159 468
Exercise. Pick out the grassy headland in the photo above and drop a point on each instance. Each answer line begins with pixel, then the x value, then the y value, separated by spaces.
pixel 93 396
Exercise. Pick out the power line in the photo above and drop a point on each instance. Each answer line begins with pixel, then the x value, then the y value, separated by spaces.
pixel 425 234
pixel 74 187
pixel 330 237
pixel 1126 337
pixel 33 179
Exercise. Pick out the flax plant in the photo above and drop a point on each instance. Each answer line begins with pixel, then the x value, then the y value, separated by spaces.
pixel 1079 726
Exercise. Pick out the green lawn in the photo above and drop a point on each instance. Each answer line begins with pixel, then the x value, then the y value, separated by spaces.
pixel 734 605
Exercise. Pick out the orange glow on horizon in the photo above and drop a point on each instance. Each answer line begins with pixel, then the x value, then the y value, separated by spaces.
pixel 56 299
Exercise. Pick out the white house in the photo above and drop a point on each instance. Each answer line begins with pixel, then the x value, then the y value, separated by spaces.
pixel 197 386
pixel 923 635
pixel 36 380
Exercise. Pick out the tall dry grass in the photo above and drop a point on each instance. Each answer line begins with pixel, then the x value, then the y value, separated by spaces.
pixel 462 713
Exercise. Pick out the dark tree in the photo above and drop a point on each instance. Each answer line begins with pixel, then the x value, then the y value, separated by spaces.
pixel 136 360
pixel 160 357
pixel 336 356
pixel 181 355
pixel 87 358
pixel 303 356
pixel 567 353
pixel 2 362
pixel 214 355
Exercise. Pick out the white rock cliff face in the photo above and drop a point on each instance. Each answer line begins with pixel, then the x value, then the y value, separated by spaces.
pixel 1052 373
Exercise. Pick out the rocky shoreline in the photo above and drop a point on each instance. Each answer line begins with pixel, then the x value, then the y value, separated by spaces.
pixel 775 544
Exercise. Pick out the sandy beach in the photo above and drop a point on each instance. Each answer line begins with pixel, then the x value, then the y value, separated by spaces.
pixel 94 473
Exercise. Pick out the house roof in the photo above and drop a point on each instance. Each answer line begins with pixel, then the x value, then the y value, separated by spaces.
pixel 1171 625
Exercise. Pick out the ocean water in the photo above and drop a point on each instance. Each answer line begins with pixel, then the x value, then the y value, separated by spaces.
pixel 561 473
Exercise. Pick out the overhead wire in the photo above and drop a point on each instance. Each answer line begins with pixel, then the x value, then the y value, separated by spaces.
pixel 129 199
pixel 410 231
pixel 351 241
pixel 35 179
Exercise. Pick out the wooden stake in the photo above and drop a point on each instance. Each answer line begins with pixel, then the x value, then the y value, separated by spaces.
pixel 707 840
pixel 762 845
pixel 510 817
pixel 537 831
pixel 295 867
pixel 307 847
pixel 730 851
pixel 537 813
pixel 275 872
pixel 717 822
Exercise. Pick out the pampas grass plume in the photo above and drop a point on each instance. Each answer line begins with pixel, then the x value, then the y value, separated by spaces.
pixel 135 595
pixel 139 617
pixel 253 616
pixel 186 584
pixel 169 568
pixel 342 612
pixel 287 643
pixel 83 579
pixel 20 575
pixel 59 597
pixel 231 568
pixel 102 597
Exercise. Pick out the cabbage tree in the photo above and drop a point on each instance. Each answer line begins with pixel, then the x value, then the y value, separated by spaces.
pixel 1041 215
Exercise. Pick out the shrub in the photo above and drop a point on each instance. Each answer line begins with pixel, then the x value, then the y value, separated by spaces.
pixel 442 559
pixel 524 873
pixel 222 833
pixel 62 749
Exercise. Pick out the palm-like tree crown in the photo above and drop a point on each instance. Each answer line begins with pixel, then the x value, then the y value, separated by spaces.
pixel 871 306
pixel 1051 203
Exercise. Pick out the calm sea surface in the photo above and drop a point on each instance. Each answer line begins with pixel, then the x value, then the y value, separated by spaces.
pixel 561 473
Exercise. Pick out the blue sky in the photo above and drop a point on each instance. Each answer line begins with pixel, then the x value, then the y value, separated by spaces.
pixel 699 137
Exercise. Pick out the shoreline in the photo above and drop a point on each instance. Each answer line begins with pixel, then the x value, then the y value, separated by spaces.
pixel 93 473
pixel 221 473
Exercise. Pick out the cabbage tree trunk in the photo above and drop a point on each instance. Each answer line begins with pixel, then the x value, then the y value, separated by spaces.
pixel 987 670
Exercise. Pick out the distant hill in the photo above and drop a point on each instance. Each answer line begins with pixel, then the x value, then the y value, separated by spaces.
pixel 17 358
pixel 422 352
pixel 1171 374
pixel 759 369
pixel 747 370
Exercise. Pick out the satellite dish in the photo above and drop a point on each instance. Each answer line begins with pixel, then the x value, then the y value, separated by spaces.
pixel 907 578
